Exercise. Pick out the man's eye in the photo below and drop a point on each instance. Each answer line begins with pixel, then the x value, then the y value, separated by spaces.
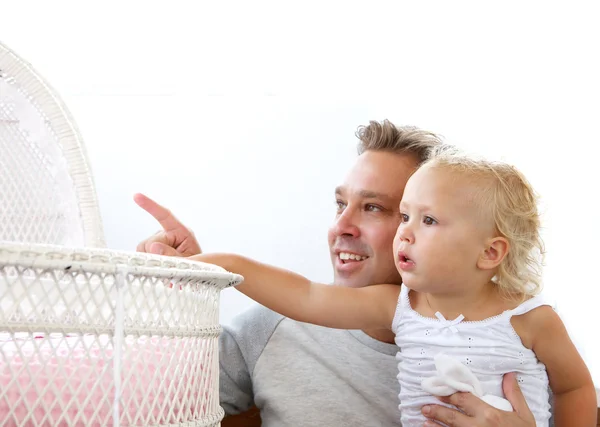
pixel 429 220
pixel 340 205
pixel 373 208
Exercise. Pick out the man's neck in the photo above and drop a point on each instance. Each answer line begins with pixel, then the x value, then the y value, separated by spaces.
pixel 382 335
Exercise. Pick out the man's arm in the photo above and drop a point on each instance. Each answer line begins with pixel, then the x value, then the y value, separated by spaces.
pixel 235 382
pixel 240 346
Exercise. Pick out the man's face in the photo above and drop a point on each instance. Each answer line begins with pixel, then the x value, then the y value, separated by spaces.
pixel 361 238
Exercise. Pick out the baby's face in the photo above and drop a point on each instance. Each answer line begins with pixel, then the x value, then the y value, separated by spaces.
pixel 442 232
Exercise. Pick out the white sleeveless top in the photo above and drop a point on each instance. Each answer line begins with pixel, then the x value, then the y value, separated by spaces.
pixel 490 348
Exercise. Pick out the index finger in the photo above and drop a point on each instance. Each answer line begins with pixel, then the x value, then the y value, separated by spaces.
pixel 164 216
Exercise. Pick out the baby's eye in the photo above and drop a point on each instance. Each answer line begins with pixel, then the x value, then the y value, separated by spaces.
pixel 404 217
pixel 429 220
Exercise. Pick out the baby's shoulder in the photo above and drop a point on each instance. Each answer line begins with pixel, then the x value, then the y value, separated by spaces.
pixel 532 323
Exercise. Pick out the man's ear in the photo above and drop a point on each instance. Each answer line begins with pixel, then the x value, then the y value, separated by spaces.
pixel 495 251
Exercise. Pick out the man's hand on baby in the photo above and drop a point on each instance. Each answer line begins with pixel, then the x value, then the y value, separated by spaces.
pixel 477 413
pixel 175 239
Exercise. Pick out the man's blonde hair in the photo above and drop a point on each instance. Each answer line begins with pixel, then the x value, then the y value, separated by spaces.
pixel 508 197
pixel 386 136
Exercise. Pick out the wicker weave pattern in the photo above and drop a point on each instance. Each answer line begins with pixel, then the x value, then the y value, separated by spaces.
pixel 82 327
pixel 47 192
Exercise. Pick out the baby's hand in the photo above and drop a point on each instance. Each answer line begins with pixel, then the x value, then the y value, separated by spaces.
pixel 175 239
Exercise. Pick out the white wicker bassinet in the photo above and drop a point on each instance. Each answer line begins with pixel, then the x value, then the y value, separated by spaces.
pixel 47 192
pixel 89 336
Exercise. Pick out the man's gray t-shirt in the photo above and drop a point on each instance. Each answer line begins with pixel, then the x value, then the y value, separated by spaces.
pixel 300 374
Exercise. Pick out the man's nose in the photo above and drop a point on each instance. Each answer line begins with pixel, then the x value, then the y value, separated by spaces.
pixel 347 224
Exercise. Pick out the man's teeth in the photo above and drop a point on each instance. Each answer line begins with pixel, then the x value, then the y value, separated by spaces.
pixel 346 255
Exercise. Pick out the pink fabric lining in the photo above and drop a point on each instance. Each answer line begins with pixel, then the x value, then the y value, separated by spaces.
pixel 59 381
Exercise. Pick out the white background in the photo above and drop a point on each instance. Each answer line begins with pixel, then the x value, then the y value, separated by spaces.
pixel 240 117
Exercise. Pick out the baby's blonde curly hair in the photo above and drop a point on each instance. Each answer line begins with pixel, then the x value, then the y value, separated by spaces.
pixel 506 195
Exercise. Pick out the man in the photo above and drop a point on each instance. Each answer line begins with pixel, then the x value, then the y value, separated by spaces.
pixel 299 374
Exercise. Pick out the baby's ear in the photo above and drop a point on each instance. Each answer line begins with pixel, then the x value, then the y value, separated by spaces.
pixel 495 251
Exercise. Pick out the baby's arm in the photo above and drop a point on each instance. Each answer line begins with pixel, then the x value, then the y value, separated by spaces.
pixel 294 296
pixel 570 380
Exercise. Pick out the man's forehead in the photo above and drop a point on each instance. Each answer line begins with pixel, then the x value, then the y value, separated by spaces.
pixel 378 175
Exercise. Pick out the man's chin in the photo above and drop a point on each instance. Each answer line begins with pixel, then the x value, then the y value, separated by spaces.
pixel 350 281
